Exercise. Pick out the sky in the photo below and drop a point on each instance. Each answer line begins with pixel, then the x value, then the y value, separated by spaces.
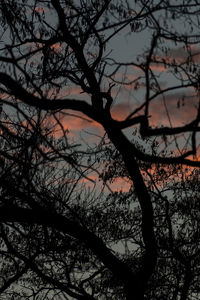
pixel 180 104
pixel 130 46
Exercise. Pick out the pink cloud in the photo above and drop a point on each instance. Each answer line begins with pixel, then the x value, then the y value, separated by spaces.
pixel 179 55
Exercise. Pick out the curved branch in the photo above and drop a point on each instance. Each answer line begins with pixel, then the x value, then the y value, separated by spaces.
pixel 128 152
pixel 19 92
pixel 170 131
pixel 72 228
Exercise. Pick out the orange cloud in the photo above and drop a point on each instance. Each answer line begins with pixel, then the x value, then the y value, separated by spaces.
pixel 40 9
pixel 158 67
pixel 75 90
pixel 73 124
pixel 178 55
pixel 120 111
pixel 66 92
pixel 120 185
pixel 181 110
pixel 181 54
pixel 56 47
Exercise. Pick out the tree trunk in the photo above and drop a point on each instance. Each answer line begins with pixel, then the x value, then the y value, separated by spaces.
pixel 126 148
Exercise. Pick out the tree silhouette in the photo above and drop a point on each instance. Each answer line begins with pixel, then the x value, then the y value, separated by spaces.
pixel 59 237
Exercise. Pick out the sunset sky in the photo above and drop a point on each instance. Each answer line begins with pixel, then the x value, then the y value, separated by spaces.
pixel 130 49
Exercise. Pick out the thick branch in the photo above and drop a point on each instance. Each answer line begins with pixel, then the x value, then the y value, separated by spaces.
pixel 167 160
pixel 142 120
pixel 170 131
pixel 124 146
pixel 72 228
pixel 19 92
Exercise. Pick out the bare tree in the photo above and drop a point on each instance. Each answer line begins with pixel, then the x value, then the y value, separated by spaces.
pixel 48 48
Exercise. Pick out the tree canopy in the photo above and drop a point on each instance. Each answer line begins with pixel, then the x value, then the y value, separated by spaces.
pixel 99 153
